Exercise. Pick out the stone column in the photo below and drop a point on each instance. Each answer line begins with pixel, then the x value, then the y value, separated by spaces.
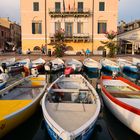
pixel 133 48
pixel 125 48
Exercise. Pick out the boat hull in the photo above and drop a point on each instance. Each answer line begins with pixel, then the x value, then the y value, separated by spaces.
pixel 132 69
pixel 15 69
pixel 55 136
pixel 91 69
pixel 2 85
pixel 130 119
pixel 109 68
pixel 13 119
pixel 84 130
pixel 10 123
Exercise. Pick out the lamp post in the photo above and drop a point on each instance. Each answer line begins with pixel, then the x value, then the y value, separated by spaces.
pixel 46 25
pixel 92 25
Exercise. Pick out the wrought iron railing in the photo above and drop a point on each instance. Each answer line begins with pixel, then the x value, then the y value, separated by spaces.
pixel 75 37
pixel 69 12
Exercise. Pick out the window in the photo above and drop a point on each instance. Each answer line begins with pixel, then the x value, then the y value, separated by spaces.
pixel 80 27
pixel 80 6
pixel 101 6
pixel 102 27
pixel 36 28
pixel 68 28
pixel 2 33
pixel 57 7
pixel 57 26
pixel 36 6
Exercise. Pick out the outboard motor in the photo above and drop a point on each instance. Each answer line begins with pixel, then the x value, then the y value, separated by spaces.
pixel 68 71
pixel 50 64
pixel 34 71
pixel 47 67
pixel 114 74
pixel 4 67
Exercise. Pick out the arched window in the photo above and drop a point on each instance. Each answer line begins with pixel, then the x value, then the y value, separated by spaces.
pixel 37 48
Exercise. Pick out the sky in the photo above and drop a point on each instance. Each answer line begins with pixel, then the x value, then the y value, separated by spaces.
pixel 129 10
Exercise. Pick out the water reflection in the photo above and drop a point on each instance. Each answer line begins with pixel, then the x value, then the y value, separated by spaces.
pixel 117 130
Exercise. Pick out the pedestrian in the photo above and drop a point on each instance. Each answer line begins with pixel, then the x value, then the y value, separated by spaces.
pixel 87 52
pixel 28 51
pixel 42 49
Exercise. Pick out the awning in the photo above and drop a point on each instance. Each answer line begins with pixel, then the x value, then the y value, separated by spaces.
pixel 135 42
pixel 10 43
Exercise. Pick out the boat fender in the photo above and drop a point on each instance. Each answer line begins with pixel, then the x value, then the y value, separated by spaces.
pixel 68 71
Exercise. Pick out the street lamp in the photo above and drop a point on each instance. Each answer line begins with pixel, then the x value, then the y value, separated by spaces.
pixel 46 24
pixel 92 25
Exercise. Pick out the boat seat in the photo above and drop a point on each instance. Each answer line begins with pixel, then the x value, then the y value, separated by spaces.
pixel 39 86
pixel 69 90
pixel 114 83
pixel 71 80
pixel 129 93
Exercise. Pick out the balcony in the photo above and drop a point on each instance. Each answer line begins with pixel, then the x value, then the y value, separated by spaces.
pixel 83 37
pixel 69 13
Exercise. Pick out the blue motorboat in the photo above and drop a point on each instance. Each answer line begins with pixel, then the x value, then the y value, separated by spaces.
pixel 110 65
pixel 126 65
pixel 92 65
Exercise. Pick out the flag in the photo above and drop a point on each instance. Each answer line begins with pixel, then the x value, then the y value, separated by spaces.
pixel 69 7
pixel 64 6
pixel 74 6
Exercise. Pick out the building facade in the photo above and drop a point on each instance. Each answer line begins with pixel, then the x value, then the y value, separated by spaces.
pixel 84 22
pixel 129 37
pixel 15 33
pixel 4 37
pixel 12 34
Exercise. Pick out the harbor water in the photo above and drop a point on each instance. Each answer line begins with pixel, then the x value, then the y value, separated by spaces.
pixel 107 126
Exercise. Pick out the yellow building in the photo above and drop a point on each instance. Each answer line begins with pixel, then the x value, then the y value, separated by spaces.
pixel 84 22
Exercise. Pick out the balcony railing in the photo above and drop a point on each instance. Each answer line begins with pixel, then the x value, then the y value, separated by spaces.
pixel 84 37
pixel 69 13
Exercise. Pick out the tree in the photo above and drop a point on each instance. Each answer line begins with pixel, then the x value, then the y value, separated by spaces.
pixel 59 47
pixel 111 44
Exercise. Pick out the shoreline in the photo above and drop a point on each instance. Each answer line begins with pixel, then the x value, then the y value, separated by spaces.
pixel 65 57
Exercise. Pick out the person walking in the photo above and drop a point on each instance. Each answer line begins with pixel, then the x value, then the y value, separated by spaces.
pixel 43 49
pixel 87 52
